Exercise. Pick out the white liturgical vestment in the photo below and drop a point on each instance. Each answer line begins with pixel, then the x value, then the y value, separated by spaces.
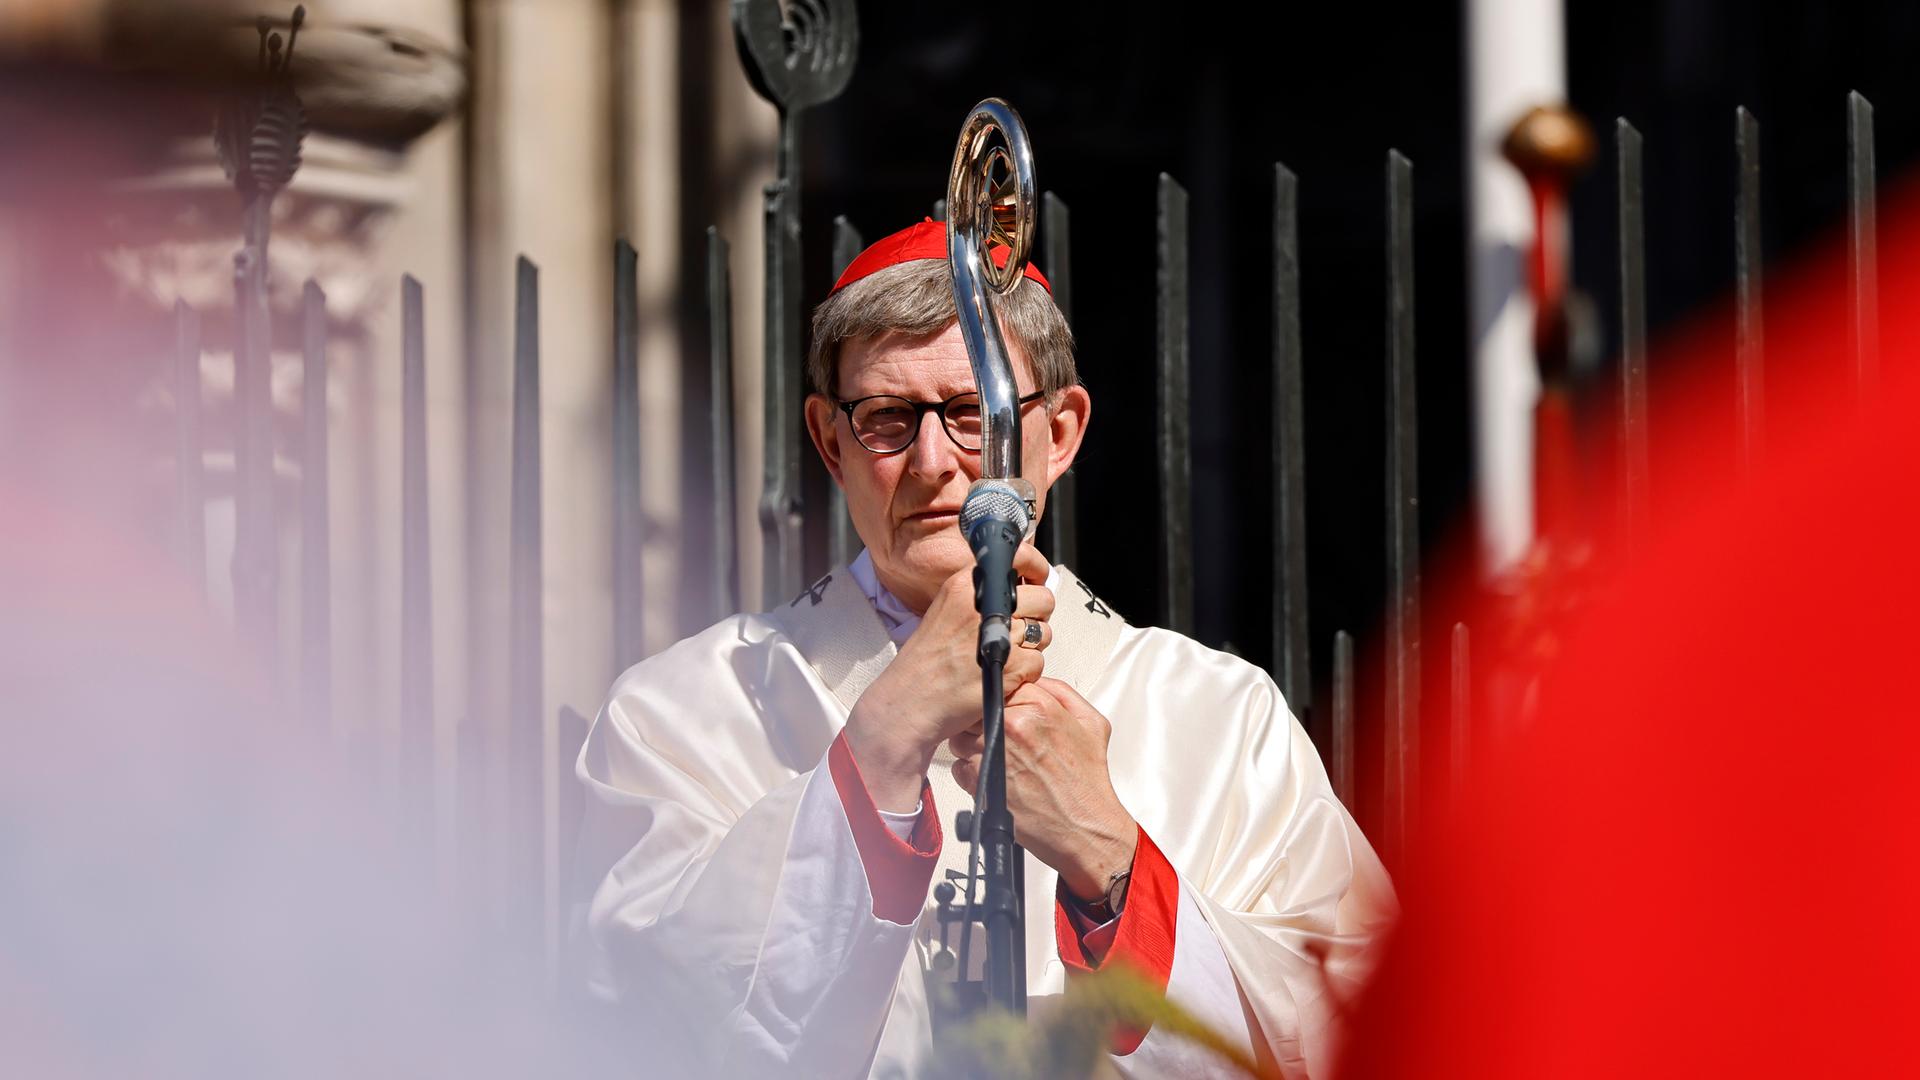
pixel 755 915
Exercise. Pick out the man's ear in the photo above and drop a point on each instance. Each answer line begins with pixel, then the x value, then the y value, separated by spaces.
pixel 1066 426
pixel 825 433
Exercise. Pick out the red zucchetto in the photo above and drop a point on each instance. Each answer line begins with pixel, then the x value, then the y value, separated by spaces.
pixel 926 240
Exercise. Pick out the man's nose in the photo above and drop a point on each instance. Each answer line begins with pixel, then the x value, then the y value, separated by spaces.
pixel 932 453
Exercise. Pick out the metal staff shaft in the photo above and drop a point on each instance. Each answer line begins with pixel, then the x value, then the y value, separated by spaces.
pixel 981 213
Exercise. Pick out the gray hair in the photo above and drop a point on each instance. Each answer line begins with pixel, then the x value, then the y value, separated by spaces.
pixel 916 298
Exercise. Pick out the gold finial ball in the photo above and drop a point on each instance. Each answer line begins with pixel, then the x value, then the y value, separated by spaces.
pixel 1550 140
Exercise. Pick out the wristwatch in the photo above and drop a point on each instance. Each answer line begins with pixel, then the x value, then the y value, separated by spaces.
pixel 1112 902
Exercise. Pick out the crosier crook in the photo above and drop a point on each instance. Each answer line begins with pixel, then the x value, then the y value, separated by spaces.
pixel 990 199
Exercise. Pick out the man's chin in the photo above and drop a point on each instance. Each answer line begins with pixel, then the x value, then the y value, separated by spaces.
pixel 925 562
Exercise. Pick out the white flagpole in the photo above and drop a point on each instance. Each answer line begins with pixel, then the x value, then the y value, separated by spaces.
pixel 1516 59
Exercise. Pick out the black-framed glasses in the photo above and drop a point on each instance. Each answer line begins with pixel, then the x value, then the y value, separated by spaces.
pixel 888 424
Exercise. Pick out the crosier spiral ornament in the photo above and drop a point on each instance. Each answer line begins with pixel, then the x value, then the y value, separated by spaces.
pixel 990 200
pixel 259 132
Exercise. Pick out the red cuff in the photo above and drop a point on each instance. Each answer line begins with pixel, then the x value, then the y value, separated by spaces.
pixel 1144 937
pixel 898 871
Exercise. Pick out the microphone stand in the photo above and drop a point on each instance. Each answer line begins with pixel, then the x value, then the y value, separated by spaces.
pixel 1000 901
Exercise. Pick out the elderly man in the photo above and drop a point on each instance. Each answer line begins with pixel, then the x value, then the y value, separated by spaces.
pixel 765 797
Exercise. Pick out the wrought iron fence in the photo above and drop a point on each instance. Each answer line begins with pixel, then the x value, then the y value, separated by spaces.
pixel 536 756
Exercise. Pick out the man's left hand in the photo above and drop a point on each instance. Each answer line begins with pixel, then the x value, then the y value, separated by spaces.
pixel 1064 807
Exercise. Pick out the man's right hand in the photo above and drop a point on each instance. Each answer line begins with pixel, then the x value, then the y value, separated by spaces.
pixel 931 691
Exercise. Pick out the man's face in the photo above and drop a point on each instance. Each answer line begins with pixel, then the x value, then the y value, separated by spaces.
pixel 906 506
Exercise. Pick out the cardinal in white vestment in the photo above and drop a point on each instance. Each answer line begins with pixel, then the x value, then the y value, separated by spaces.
pixel 765 798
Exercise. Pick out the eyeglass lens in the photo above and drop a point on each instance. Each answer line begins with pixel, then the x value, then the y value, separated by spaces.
pixel 886 424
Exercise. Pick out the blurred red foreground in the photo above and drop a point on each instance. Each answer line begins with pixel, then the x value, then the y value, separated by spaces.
pixel 1703 858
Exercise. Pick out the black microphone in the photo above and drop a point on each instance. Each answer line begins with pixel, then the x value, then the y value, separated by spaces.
pixel 994 520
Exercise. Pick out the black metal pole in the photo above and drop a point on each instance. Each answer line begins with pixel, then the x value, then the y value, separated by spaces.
pixel 1056 238
pixel 843 542
pixel 1290 638
pixel 795 56
pixel 1749 329
pixel 1342 736
pixel 258 135
pixel 1862 244
pixel 1633 335
pixel 1006 949
pixel 726 538
pixel 1462 704
pixel 190 491
pixel 417 734
pixel 316 562
pixel 628 579
pixel 780 504
pixel 526 650
pixel 256 563
pixel 1173 429
pixel 1403 511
